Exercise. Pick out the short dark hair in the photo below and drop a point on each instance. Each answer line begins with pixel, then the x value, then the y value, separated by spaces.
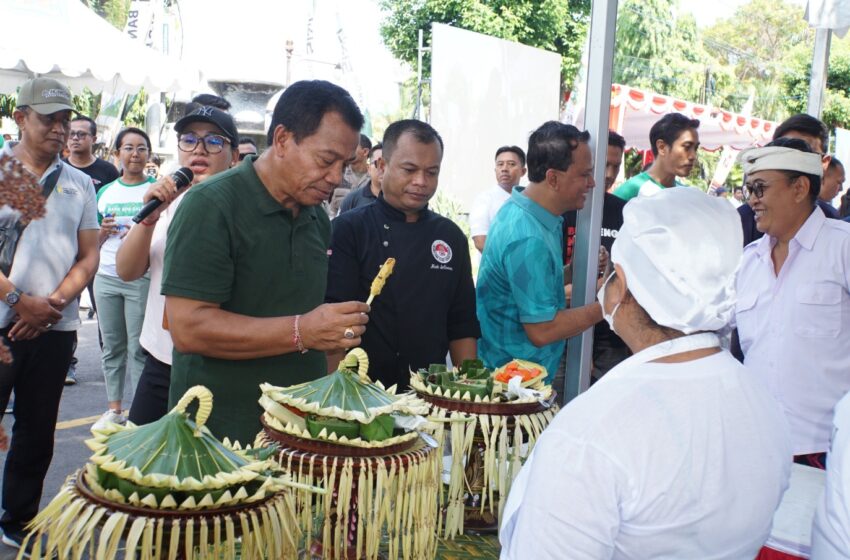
pixel 208 100
pixel 835 162
pixel 668 128
pixel 131 130
pixel 803 146
pixel 155 159
pixel 247 140
pixel 302 106
pixel 92 125
pixel 375 148
pixel 804 124
pixel 513 149
pixel 551 146
pixel 365 142
pixel 422 131
pixel 616 140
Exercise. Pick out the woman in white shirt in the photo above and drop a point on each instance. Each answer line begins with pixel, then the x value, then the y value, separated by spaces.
pixel 207 144
pixel 120 304
pixel 678 452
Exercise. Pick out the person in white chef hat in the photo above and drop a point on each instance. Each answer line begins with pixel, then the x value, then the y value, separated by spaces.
pixel 679 451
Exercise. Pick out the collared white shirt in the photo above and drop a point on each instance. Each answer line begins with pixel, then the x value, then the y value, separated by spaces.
pixel 831 529
pixel 657 460
pixel 794 328
pixel 484 209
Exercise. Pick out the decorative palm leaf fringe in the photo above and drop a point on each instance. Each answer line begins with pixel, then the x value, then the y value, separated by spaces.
pixel 375 506
pixel 503 456
pixel 75 526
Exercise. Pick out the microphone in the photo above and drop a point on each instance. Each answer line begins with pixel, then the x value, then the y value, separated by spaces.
pixel 182 178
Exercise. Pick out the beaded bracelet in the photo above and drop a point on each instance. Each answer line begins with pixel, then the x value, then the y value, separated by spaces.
pixel 296 336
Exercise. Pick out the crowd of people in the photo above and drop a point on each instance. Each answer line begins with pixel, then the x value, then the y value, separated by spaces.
pixel 257 272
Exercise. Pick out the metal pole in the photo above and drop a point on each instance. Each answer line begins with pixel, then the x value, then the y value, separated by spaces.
pixel 419 76
pixel 290 47
pixel 820 67
pixel 603 27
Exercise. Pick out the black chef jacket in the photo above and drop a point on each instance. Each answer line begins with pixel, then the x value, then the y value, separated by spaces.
pixel 612 221
pixel 428 300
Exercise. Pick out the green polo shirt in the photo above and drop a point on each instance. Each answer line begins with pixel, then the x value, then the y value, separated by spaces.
pixel 232 244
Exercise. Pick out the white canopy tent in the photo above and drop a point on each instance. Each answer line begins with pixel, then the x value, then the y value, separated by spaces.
pixel 65 40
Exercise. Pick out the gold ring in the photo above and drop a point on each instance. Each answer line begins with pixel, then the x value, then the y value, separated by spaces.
pixel 349 333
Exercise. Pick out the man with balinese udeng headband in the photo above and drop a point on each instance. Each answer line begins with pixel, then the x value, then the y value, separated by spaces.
pixel 793 309
pixel 678 451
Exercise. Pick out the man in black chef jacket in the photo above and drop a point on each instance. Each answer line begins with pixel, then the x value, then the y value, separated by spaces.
pixel 427 306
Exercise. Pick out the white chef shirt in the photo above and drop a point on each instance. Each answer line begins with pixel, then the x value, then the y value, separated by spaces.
pixel 795 328
pixel 672 461
pixel 484 209
pixel 831 530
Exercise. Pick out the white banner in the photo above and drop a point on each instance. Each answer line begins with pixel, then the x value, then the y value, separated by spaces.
pixel 140 21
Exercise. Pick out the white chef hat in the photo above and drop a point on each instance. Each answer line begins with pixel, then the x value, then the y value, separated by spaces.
pixel 680 251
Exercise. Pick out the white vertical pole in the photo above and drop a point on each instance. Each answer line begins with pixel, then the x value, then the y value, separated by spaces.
pixel 820 67
pixel 603 27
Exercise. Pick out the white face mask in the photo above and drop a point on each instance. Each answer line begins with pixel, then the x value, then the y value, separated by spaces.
pixel 601 297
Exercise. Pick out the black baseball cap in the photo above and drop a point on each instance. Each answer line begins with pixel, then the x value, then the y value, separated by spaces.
pixel 214 116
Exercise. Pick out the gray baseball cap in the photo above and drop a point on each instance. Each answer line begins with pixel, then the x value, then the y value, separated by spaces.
pixel 45 96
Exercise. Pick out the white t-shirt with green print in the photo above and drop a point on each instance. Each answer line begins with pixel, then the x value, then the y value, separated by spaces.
pixel 123 201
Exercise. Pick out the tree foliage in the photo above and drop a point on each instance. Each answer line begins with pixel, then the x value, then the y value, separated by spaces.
pixel 113 11
pixel 661 50
pixel 555 25
pixel 756 41
pixel 796 80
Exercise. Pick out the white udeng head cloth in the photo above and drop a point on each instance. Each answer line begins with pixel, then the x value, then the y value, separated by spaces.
pixel 780 158
pixel 680 251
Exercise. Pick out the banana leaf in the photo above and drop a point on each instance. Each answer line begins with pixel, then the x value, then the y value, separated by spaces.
pixel 345 394
pixel 174 452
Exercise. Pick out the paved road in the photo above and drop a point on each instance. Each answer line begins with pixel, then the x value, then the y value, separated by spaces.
pixel 81 405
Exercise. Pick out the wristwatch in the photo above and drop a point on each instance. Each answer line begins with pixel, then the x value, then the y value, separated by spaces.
pixel 13 297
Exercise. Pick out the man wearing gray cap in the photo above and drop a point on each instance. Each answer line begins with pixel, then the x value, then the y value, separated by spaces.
pixel 793 309
pixel 53 261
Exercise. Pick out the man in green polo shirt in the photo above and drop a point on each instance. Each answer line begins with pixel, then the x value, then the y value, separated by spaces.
pixel 674 139
pixel 246 264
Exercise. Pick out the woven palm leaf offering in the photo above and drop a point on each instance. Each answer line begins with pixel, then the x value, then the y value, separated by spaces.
pixel 347 432
pixel 170 489
pixel 488 421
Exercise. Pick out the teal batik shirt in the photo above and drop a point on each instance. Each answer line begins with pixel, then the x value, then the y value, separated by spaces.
pixel 521 280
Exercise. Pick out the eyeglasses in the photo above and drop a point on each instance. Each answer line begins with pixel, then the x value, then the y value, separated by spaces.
pixel 78 134
pixel 243 156
pixel 213 143
pixel 141 150
pixel 757 187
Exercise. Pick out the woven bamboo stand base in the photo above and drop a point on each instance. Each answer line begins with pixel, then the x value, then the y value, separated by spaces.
pixel 487 453
pixel 380 505
pixel 78 522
